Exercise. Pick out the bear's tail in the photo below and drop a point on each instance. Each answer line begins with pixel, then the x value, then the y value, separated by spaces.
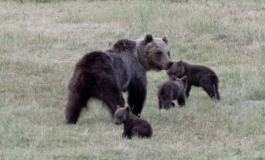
pixel 216 93
pixel 215 81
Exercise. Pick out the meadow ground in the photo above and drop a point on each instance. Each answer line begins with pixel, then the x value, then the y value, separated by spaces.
pixel 40 42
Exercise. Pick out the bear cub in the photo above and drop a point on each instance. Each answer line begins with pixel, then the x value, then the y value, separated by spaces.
pixel 197 75
pixel 133 126
pixel 172 90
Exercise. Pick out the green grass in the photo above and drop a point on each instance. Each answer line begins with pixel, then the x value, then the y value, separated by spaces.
pixel 42 40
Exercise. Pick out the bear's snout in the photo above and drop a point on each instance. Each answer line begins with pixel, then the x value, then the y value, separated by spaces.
pixel 115 122
pixel 169 64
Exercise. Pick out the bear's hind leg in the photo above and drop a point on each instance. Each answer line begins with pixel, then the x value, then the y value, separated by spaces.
pixel 74 105
pixel 209 89
pixel 159 103
pixel 188 90
pixel 181 101
pixel 216 93
pixel 112 103
pixel 110 95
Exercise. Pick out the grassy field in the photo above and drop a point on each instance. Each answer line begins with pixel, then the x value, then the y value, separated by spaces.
pixel 41 42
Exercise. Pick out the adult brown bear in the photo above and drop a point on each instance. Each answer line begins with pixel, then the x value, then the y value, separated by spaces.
pixel 105 74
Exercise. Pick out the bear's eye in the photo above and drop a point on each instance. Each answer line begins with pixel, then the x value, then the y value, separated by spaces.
pixel 176 74
pixel 120 117
pixel 159 54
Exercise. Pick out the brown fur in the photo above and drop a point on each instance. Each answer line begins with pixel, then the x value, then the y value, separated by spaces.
pixel 133 126
pixel 174 89
pixel 105 74
pixel 123 45
pixel 197 75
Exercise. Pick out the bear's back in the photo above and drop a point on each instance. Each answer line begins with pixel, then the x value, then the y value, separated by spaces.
pixel 125 62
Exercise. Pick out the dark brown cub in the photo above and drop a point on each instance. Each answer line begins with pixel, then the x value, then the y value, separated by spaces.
pixel 133 126
pixel 197 75
pixel 174 89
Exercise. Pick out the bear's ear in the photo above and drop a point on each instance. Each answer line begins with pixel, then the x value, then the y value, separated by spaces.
pixel 165 39
pixel 118 106
pixel 148 38
pixel 184 79
pixel 128 109
pixel 180 63
pixel 173 78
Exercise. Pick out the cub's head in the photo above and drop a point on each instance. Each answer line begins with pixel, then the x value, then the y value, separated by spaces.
pixel 176 70
pixel 182 81
pixel 121 114
pixel 157 53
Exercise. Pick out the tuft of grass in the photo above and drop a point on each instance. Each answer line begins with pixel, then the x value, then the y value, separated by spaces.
pixel 204 23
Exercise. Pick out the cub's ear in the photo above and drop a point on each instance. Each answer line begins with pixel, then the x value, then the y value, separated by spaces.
pixel 172 78
pixel 148 38
pixel 158 87
pixel 180 63
pixel 165 39
pixel 128 109
pixel 118 106
pixel 184 79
